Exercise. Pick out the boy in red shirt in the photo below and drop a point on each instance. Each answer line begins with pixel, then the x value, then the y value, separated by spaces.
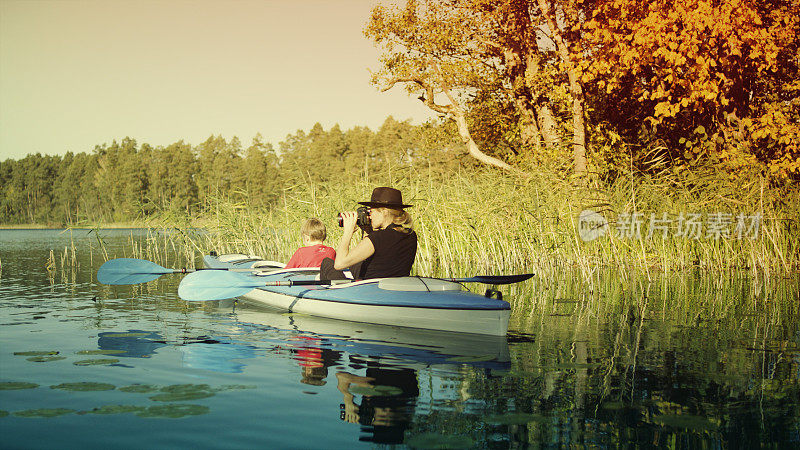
pixel 313 251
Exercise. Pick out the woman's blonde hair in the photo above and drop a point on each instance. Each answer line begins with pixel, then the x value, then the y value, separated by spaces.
pixel 400 217
pixel 315 229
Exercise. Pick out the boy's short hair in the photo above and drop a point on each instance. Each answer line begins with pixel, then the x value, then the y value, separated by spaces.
pixel 315 229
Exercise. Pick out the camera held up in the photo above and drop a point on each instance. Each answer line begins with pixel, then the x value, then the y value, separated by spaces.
pixel 362 218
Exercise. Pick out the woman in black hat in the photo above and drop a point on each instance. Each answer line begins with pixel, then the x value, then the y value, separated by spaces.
pixel 388 250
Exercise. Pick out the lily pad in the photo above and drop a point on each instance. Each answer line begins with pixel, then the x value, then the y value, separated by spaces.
pixel 3 413
pixel 374 391
pixel 36 353
pixel 84 386
pixel 181 396
pixel 100 352
pixel 183 392
pixel 174 411
pixel 14 385
pixel 437 441
pixel 114 409
pixel 45 358
pixel 234 387
pixel 180 388
pixel 514 419
pixel 44 412
pixel 688 421
pixel 96 362
pixel 139 388
pixel 116 335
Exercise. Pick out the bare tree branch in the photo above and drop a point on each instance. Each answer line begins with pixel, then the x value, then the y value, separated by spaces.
pixel 428 96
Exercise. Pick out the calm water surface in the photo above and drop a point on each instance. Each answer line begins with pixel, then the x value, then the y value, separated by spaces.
pixel 686 362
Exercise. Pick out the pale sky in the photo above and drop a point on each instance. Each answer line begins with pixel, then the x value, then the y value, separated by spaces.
pixel 77 73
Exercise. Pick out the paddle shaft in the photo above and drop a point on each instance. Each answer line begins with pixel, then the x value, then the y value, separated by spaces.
pixel 184 270
pixel 333 282
pixel 304 282
pixel 122 271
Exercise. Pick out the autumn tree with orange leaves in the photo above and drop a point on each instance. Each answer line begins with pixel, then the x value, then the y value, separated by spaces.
pixel 705 81
pixel 715 81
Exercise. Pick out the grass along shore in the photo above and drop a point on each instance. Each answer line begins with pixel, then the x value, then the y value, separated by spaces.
pixel 484 221
pixel 489 222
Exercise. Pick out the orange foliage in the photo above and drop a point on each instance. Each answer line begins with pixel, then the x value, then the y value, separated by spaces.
pixel 730 65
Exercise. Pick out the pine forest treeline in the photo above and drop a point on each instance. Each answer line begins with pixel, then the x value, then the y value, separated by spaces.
pixel 127 181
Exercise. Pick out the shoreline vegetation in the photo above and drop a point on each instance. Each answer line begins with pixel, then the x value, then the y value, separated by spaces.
pixel 470 218
pixel 483 221
pixel 486 222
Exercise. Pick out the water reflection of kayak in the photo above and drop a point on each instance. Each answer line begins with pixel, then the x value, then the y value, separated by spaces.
pixel 130 343
pixel 385 343
pixel 417 302
pixel 219 354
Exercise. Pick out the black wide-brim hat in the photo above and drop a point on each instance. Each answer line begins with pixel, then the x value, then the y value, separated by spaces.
pixel 386 197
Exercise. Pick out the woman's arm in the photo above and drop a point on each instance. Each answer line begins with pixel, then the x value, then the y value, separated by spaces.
pixel 363 250
pixel 345 259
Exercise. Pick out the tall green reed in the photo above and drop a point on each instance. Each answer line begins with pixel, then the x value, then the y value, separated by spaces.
pixel 485 221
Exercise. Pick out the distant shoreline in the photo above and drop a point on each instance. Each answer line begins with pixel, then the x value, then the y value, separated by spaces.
pixel 38 226
pixel 195 223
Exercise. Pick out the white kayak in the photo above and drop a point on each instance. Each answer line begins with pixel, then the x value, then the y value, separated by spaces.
pixel 415 302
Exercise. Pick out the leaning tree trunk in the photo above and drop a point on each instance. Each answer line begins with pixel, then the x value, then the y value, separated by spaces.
pixel 576 91
pixel 466 137
pixel 457 112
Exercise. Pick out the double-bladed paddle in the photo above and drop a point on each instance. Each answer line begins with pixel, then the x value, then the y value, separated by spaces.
pixel 135 271
pixel 220 285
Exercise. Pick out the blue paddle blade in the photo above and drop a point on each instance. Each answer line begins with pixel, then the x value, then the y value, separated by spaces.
pixel 129 271
pixel 495 279
pixel 208 285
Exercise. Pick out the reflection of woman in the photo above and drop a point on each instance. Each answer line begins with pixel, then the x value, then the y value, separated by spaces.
pixel 387 251
pixel 384 416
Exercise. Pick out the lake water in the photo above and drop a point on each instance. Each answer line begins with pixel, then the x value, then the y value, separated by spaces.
pixel 692 361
